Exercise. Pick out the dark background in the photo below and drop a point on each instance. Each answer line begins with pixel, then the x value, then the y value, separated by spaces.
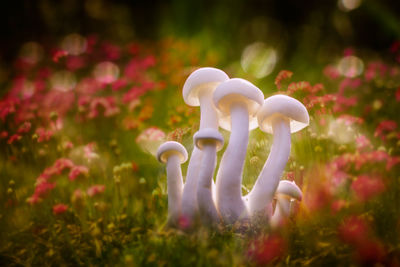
pixel 230 24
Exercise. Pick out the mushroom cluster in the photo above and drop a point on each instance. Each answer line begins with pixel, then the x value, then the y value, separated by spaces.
pixel 238 106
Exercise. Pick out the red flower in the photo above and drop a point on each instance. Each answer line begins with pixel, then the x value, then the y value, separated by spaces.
pixel 24 128
pixel 398 94
pixel 282 75
pixel 366 187
pixel 13 138
pixel 385 126
pixel 266 250
pixel 59 209
pixel 95 190
pixel 354 230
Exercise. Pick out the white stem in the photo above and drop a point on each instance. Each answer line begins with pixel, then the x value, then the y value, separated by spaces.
pixel 175 186
pixel 267 182
pixel 229 178
pixel 189 197
pixel 282 211
pixel 208 113
pixel 208 119
pixel 207 209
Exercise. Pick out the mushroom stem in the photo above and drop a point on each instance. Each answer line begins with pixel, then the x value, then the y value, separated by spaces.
pixel 229 178
pixel 267 182
pixel 206 204
pixel 189 198
pixel 282 211
pixel 208 113
pixel 174 185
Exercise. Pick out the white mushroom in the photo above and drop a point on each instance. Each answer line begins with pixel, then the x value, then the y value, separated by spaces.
pixel 209 141
pixel 280 115
pixel 285 193
pixel 198 91
pixel 238 102
pixel 173 154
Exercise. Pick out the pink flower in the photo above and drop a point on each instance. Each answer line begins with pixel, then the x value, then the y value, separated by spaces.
pixel 385 126
pixel 366 187
pixel 363 142
pixel 59 209
pixel 25 127
pixel 76 171
pixel 95 190
pixel 44 135
pixel 331 72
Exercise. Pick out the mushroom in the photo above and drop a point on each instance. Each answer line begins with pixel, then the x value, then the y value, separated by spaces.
pixel 198 91
pixel 173 154
pixel 280 115
pixel 209 141
pixel 238 102
pixel 285 193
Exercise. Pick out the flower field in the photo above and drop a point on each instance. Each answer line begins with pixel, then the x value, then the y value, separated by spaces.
pixel 80 185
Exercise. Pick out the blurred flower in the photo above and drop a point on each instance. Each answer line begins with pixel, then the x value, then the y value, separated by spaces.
pixel 331 72
pixel 266 250
pixel 95 190
pixel 362 143
pixel 106 72
pixel 150 139
pixel 13 138
pixel 354 230
pixel 366 187
pixel 77 171
pixel 59 209
pixel 43 134
pixel 383 127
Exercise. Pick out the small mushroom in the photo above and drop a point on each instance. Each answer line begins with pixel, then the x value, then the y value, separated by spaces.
pixel 198 91
pixel 209 141
pixel 285 193
pixel 280 115
pixel 173 154
pixel 238 102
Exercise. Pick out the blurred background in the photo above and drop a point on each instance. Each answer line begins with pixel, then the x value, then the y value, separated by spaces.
pixel 294 33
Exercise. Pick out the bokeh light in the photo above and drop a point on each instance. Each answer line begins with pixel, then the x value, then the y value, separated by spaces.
pixel 348 5
pixel 351 66
pixel 31 52
pixel 106 72
pixel 258 59
pixel 74 44
pixel 63 81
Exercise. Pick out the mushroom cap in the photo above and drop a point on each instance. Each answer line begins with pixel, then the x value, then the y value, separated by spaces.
pixel 289 189
pixel 203 78
pixel 170 148
pixel 237 90
pixel 208 135
pixel 286 106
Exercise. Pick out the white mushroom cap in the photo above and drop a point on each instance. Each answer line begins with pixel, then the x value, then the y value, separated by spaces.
pixel 282 105
pixel 170 148
pixel 289 189
pixel 208 135
pixel 237 90
pixel 204 78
